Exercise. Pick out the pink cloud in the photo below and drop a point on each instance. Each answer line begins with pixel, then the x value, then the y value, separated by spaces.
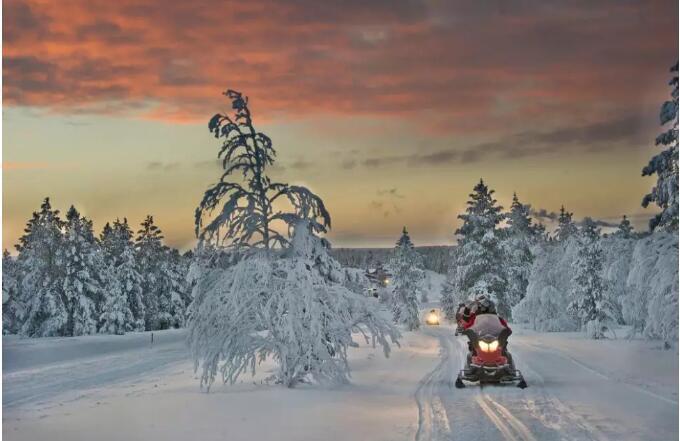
pixel 446 67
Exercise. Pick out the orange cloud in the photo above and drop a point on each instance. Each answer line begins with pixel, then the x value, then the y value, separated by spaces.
pixel 451 66
pixel 7 165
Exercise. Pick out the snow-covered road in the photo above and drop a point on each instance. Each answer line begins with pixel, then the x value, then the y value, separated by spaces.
pixel 113 387
pixel 567 399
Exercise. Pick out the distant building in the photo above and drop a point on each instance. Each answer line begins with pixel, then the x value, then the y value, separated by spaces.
pixel 378 277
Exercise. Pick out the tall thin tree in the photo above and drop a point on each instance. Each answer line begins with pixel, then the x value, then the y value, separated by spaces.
pixel 248 216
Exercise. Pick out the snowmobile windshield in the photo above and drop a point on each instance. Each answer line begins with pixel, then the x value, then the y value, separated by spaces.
pixel 488 326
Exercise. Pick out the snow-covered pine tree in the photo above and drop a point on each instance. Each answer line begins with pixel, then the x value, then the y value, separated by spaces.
pixel 41 289
pixel 478 266
pixel 286 297
pixel 590 301
pixel 565 225
pixel 173 289
pixel 123 308
pixel 407 276
pixel 518 239
pixel 550 281
pixel 665 164
pixel 12 309
pixel 115 316
pixel 150 256
pixel 84 274
pixel 625 229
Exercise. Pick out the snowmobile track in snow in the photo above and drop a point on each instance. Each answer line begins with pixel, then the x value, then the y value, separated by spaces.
pixel 433 416
pixel 514 430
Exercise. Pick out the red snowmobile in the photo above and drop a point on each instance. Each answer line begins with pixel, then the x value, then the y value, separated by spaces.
pixel 488 360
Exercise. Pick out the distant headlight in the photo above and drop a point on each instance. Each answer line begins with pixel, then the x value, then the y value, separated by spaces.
pixel 432 319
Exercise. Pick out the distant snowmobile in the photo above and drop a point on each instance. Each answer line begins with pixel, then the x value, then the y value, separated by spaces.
pixel 432 318
pixel 489 361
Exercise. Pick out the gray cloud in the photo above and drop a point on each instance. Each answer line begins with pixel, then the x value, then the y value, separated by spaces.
pixel 300 164
pixel 348 164
pixel 162 166
pixel 392 192
pixel 106 31
pixel 615 134
pixel 551 216
pixel 544 214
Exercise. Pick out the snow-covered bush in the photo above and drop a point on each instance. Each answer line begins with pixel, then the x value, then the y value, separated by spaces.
pixel 651 304
pixel 291 306
pixel 617 253
pixel 407 276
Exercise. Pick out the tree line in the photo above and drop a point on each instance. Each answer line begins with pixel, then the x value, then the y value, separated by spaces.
pixel 576 278
pixel 65 281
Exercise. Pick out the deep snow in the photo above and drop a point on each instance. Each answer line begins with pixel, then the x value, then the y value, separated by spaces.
pixel 121 387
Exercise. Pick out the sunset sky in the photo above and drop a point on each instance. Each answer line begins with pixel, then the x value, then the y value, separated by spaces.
pixel 389 110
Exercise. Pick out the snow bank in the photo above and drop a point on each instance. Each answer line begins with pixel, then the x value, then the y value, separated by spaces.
pixel 168 404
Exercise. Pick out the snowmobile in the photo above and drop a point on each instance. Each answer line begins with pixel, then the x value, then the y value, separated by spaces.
pixel 489 361
pixel 432 318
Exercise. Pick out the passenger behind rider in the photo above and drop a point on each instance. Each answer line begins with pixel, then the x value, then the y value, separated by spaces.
pixel 481 305
pixel 468 312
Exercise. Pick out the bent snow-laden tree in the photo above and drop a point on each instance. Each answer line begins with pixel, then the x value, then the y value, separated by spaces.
pixel 665 164
pixel 407 275
pixel 285 297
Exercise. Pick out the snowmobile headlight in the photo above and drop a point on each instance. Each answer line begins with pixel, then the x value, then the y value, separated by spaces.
pixel 488 347
pixel 432 319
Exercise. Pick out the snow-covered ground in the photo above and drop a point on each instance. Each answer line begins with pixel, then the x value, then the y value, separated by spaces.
pixel 122 387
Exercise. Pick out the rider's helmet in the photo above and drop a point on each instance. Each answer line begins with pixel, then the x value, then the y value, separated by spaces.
pixel 485 305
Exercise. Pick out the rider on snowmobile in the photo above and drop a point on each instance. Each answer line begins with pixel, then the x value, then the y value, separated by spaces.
pixel 467 313
pixel 489 333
